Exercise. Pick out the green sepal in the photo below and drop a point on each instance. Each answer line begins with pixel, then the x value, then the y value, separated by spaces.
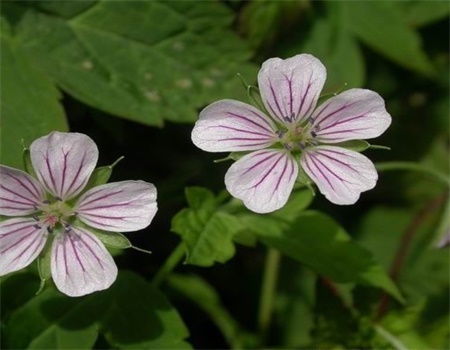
pixel 354 145
pixel 27 165
pixel 44 266
pixel 112 239
pixel 101 175
pixel 305 180
pixel 386 148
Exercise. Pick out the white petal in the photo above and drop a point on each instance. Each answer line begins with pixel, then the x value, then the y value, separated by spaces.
pixel 290 88
pixel 119 206
pixel 263 180
pixel 228 125
pixel 21 241
pixel 340 174
pixel 20 193
pixel 80 263
pixel 64 162
pixel 352 115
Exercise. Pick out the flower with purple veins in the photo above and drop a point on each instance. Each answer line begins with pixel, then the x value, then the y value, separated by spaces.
pixel 294 132
pixel 53 209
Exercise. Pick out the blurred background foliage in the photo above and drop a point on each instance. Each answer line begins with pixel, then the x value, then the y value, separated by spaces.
pixel 133 75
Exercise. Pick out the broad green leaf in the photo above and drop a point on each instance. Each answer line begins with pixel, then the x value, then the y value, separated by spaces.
pixel 298 201
pixel 140 317
pixel 201 293
pixel 331 41
pixel 131 314
pixel 381 25
pixel 420 13
pixel 320 243
pixel 122 58
pixel 30 105
pixel 199 197
pixel 53 321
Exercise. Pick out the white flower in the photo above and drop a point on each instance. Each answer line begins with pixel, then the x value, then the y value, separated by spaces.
pixel 295 133
pixel 48 208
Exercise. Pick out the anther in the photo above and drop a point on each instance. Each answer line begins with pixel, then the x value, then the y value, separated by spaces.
pixel 301 145
pixel 280 133
pixel 46 201
pixel 49 229
pixel 287 146
pixel 37 227
pixel 67 226
pixel 311 120
pixel 313 133
pixel 35 217
pixel 59 199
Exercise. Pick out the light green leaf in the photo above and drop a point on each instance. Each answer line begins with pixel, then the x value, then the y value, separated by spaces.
pixel 208 236
pixel 30 106
pixel 381 25
pixel 320 243
pixel 167 69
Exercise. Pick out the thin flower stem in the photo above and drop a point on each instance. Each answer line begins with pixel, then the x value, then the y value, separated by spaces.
pixel 170 263
pixel 268 288
pixel 385 166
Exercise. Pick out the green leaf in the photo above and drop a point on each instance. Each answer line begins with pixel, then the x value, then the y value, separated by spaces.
pixel 320 243
pixel 334 44
pixel 381 25
pixel 30 106
pixel 131 314
pixel 200 197
pixel 165 70
pixel 208 236
pixel 140 317
pixel 51 321
pixel 420 13
pixel 201 293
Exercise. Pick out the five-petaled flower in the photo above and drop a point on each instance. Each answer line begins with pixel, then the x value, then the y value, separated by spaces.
pixel 54 207
pixel 293 132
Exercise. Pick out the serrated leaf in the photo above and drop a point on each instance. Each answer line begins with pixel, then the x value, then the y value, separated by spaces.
pixel 381 25
pixel 30 105
pixel 208 236
pixel 165 70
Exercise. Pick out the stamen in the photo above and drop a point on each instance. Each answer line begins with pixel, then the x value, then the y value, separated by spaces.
pixel 302 145
pixel 35 217
pixel 67 226
pixel 311 120
pixel 313 133
pixel 59 199
pixel 49 229
pixel 37 227
pixel 287 146
pixel 280 133
pixel 46 201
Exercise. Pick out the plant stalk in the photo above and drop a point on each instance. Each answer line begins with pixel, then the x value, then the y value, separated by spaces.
pixel 170 263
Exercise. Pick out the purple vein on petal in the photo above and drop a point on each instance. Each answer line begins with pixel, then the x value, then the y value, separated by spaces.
pixel 84 203
pixel 324 154
pixel 286 163
pixel 240 130
pixel 342 131
pixel 268 172
pixel 63 181
pixel 35 194
pixel 99 261
pixel 52 179
pixel 314 158
pixel 18 195
pixel 303 98
pixel 275 99
pixel 264 120
pixel 345 120
pixel 80 167
pixel 252 121
pixel 331 113
pixel 307 160
pixel 75 252
pixel 271 155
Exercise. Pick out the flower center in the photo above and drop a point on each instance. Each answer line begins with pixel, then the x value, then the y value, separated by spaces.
pixel 54 215
pixel 297 137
